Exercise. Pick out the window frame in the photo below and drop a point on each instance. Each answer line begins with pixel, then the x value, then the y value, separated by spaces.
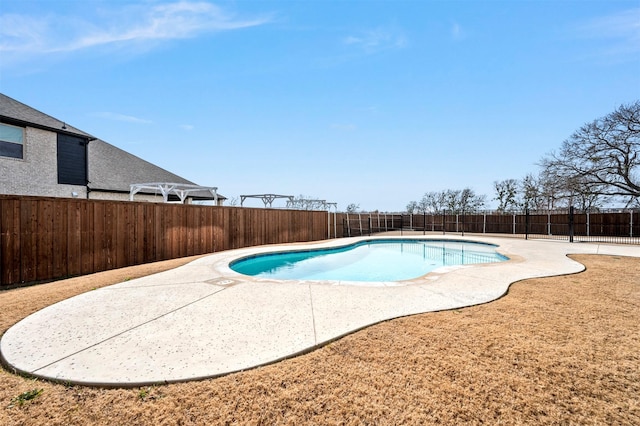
pixel 21 143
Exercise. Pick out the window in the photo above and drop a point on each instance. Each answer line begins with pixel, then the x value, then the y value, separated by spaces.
pixel 11 141
pixel 72 160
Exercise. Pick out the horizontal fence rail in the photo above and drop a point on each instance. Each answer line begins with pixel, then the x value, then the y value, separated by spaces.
pixel 621 227
pixel 42 239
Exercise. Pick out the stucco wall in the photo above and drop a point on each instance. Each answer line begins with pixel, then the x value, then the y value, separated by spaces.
pixel 37 172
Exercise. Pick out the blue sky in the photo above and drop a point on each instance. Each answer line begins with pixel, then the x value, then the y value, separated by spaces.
pixel 366 102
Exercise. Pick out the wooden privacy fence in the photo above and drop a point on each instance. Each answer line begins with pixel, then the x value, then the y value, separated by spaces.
pixel 49 238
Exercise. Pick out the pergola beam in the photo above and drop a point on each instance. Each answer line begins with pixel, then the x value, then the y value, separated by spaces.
pixel 267 199
pixel 182 190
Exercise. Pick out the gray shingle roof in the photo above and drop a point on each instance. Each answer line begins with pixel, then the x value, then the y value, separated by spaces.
pixel 17 112
pixel 110 168
pixel 114 169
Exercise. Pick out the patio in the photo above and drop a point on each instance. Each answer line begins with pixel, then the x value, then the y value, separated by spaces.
pixel 203 320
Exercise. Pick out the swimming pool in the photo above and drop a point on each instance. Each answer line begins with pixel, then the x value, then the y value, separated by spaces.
pixel 377 260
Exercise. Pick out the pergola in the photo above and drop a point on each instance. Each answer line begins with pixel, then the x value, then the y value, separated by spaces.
pixel 267 199
pixel 182 190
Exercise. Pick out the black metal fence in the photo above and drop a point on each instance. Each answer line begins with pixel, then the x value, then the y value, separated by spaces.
pixel 619 227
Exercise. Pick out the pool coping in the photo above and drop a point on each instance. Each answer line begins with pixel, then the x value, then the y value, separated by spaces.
pixel 354 244
pixel 204 320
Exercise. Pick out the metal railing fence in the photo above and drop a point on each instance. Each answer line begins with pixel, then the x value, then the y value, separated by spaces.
pixel 619 227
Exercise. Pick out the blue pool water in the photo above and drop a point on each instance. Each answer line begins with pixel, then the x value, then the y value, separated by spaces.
pixel 372 260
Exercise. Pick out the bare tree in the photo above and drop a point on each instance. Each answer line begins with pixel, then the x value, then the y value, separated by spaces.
pixel 303 202
pixel 433 202
pixel 506 194
pixel 470 202
pixel 530 193
pixel 563 192
pixel 463 200
pixel 353 208
pixel 601 158
pixel 453 200
pixel 412 207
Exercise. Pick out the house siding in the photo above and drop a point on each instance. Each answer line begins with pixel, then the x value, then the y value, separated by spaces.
pixel 98 170
pixel 121 196
pixel 37 172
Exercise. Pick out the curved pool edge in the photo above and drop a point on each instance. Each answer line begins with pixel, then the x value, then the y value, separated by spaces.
pixel 243 253
pixel 207 331
pixel 236 264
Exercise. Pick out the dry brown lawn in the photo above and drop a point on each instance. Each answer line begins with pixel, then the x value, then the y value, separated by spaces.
pixel 562 350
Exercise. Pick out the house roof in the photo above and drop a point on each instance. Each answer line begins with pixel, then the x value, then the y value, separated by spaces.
pixel 110 168
pixel 14 112
pixel 114 169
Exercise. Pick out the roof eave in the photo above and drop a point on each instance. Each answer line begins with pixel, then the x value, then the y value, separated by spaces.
pixel 23 123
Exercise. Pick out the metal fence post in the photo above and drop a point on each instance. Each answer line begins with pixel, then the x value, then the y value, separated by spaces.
pixel 484 223
pixel 328 224
pixel 570 224
pixel 526 224
pixel 348 226
pixel 588 234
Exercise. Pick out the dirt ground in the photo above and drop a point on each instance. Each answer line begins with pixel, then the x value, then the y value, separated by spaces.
pixel 562 350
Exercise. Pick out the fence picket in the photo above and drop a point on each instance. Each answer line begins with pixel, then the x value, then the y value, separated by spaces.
pixel 45 238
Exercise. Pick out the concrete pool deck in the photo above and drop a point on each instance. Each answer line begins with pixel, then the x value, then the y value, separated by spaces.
pixel 204 320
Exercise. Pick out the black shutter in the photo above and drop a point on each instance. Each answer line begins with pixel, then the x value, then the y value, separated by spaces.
pixel 72 160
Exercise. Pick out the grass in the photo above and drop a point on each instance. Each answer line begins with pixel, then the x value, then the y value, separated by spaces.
pixel 25 397
pixel 561 350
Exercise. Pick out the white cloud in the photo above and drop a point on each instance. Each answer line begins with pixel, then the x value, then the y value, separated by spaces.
pixel 457 33
pixel 19 33
pixel 187 127
pixel 142 23
pixel 121 117
pixel 620 31
pixel 376 40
